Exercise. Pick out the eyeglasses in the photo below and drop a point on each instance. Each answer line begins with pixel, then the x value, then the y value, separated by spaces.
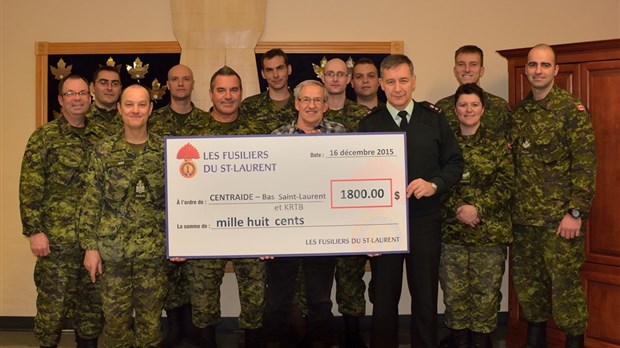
pixel 72 93
pixel 332 74
pixel 307 100
pixel 113 83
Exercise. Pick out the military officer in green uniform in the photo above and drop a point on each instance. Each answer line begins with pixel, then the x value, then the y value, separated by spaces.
pixel 122 226
pixel 105 88
pixel 350 286
pixel 469 68
pixel 205 275
pixel 555 163
pixel 476 228
pixel 336 77
pixel 51 184
pixel 179 118
pixel 275 106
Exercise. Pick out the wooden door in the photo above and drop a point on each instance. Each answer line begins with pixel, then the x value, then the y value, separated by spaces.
pixel 601 273
pixel 590 71
pixel 568 78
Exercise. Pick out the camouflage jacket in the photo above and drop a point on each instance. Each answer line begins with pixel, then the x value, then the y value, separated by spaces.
pixel 260 108
pixel 51 180
pixel 349 116
pixel 122 209
pixel 487 181
pixel 555 160
pixel 497 116
pixel 323 127
pixel 164 122
pixel 109 120
pixel 240 126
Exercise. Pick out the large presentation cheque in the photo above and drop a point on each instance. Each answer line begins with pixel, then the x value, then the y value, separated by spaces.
pixel 276 195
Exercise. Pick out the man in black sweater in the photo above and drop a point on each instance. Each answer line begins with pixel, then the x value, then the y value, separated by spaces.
pixel 434 164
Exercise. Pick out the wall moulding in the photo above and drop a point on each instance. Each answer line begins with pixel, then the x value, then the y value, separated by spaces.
pixel 44 49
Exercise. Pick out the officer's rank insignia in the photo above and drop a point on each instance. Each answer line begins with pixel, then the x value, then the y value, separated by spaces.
pixel 188 153
pixel 140 189
pixel 526 144
pixel 465 178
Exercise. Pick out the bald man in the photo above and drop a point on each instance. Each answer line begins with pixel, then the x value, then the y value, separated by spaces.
pixel 555 160
pixel 122 226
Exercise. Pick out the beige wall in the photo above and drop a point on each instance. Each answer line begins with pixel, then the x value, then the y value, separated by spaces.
pixel 430 29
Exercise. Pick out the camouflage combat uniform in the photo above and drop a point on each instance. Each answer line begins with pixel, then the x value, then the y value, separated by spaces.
pixel 205 275
pixel 350 270
pixel 164 122
pixel 51 184
pixel 123 218
pixel 261 109
pixel 110 120
pixel 497 116
pixel 350 114
pixel 473 258
pixel 555 165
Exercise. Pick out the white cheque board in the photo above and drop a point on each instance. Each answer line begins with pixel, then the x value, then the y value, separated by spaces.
pixel 285 195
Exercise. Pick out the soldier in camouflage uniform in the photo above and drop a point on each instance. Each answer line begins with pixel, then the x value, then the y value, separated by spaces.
pixel 205 275
pixel 555 162
pixel 350 286
pixel 179 118
pixel 105 88
pixel 275 106
pixel 469 68
pixel 122 226
pixel 341 110
pixel 51 183
pixel 477 228
pixel 318 271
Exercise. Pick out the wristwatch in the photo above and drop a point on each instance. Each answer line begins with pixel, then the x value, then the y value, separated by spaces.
pixel 575 213
pixel 434 186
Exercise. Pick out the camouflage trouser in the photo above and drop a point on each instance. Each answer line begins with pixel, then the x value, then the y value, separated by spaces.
pixel 138 285
pixel 205 277
pixel 471 278
pixel 545 273
pixel 178 290
pixel 350 286
pixel 64 290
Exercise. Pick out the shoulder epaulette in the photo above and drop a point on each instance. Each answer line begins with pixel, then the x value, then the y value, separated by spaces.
pixel 430 106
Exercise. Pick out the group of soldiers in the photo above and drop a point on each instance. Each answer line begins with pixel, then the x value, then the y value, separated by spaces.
pixel 92 204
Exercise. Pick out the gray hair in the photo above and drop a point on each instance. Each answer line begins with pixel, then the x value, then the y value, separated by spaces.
pixel 305 83
pixel 394 60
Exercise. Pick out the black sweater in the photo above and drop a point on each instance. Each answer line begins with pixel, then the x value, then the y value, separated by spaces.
pixel 433 153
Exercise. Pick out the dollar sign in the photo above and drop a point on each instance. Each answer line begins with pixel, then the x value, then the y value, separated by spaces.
pixel 396 195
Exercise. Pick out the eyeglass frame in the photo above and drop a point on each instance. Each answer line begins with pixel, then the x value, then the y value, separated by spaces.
pixel 73 93
pixel 339 74
pixel 307 100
